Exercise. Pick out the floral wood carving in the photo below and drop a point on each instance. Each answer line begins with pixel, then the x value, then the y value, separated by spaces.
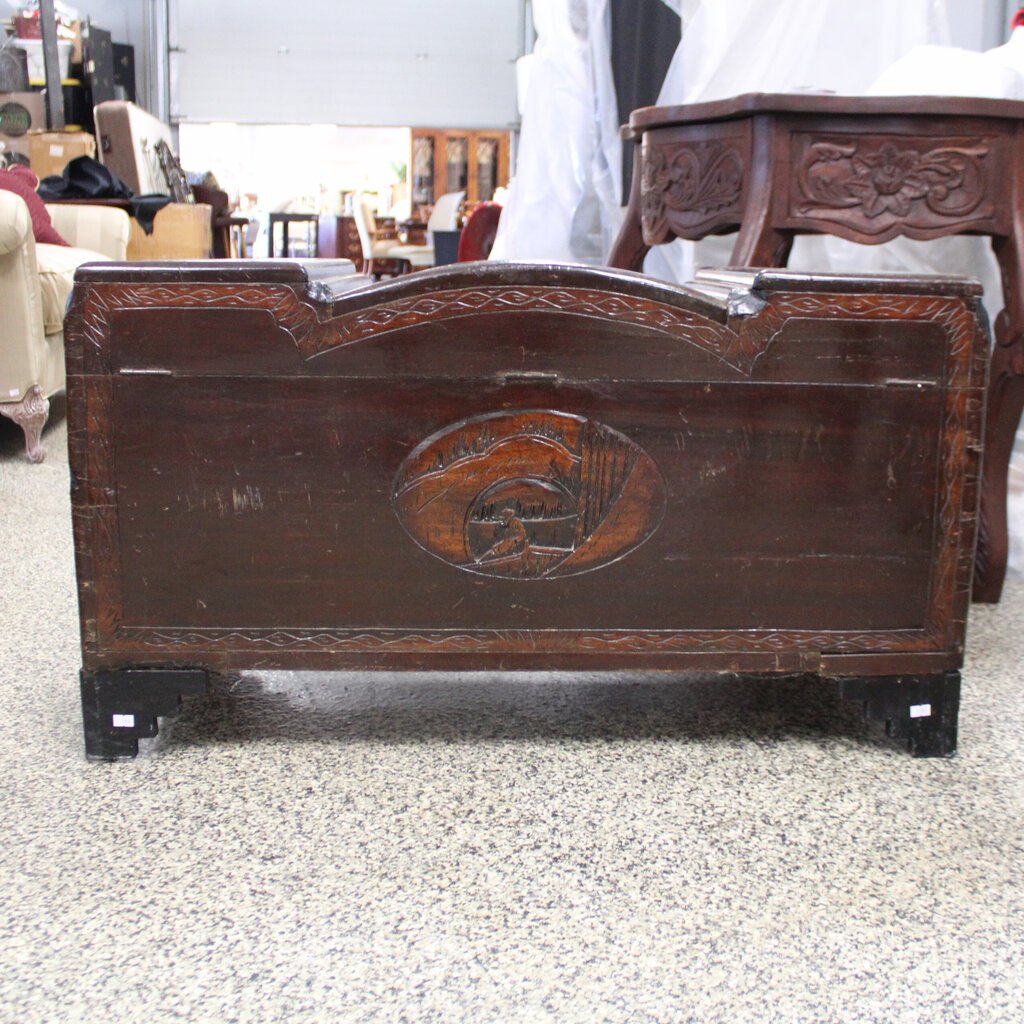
pixel 877 185
pixel 686 189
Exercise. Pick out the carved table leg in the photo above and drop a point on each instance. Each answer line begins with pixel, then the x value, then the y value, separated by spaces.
pixel 121 707
pixel 1005 404
pixel 766 247
pixel 30 414
pixel 759 244
pixel 629 249
pixel 922 710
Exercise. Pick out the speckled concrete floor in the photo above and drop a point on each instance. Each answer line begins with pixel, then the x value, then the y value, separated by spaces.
pixel 316 848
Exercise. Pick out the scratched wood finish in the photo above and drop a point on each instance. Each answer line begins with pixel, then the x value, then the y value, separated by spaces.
pixel 867 169
pixel 501 466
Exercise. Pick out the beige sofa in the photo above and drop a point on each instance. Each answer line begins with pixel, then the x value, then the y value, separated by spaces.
pixel 35 283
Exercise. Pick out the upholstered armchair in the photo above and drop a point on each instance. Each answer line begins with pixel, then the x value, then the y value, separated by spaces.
pixel 35 284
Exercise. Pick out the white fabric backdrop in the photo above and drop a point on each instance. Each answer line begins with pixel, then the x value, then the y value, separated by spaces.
pixel 564 201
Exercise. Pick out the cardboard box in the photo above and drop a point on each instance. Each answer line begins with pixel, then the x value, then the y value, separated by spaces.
pixel 181 231
pixel 20 113
pixel 50 152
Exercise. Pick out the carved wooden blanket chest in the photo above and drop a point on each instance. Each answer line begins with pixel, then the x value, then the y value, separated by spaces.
pixel 279 465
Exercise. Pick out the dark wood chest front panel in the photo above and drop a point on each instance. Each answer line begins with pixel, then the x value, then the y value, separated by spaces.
pixel 521 466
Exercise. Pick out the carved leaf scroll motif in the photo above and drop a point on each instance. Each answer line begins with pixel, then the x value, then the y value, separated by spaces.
pixel 687 188
pixel 874 185
pixel 529 495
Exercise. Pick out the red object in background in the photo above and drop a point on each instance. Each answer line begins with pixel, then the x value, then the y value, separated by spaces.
pixel 478 235
pixel 23 182
pixel 27 26
pixel 1018 20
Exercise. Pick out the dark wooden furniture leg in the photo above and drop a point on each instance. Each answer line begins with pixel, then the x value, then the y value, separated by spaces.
pixel 121 707
pixel 629 249
pixel 760 243
pixel 31 414
pixel 922 710
pixel 1005 405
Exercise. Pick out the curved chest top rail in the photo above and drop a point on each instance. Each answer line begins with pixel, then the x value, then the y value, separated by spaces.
pixel 333 287
pixel 324 306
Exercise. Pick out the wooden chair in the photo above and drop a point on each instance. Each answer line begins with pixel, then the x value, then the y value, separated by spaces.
pixel 376 242
pixel 228 230
pixel 444 217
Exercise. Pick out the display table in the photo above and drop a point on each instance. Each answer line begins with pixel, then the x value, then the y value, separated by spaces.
pixel 866 169
pixel 286 220
pixel 499 467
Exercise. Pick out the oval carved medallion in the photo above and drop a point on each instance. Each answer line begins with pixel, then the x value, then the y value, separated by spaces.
pixel 529 495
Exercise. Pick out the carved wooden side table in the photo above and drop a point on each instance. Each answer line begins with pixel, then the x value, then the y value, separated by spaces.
pixel 866 169
pixel 499 467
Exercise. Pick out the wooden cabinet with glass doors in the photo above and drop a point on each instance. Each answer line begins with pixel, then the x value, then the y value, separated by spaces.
pixel 450 160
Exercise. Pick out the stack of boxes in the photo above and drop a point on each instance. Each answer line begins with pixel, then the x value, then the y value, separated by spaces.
pixel 23 122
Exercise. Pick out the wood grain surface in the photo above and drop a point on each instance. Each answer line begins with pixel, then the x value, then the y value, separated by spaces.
pixel 522 466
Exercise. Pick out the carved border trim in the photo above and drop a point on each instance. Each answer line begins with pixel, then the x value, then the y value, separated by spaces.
pixel 314 337
pixel 518 641
pixel 449 305
pixel 296 316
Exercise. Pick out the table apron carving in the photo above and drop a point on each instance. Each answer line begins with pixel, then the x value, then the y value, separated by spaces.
pixel 693 188
pixel 890 185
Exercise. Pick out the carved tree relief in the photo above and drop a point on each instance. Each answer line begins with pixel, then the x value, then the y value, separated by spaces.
pixel 526 495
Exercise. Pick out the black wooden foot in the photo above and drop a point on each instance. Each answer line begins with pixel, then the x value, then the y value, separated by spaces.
pixel 121 707
pixel 922 710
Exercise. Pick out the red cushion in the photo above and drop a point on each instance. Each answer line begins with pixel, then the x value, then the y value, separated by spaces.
pixel 22 181
pixel 478 235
